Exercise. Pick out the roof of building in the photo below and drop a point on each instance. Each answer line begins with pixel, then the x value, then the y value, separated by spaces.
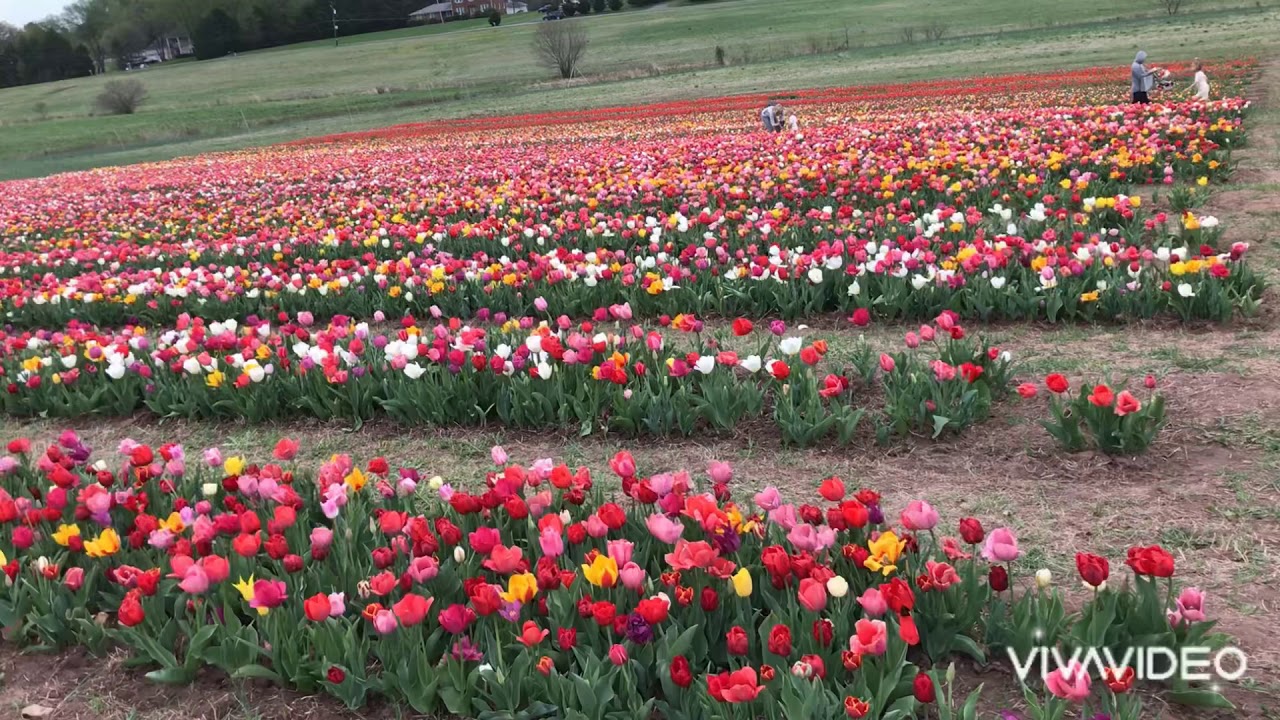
pixel 433 9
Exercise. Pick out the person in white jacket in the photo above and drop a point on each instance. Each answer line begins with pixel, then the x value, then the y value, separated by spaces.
pixel 1200 84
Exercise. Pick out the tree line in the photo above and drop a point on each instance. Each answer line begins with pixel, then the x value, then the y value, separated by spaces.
pixel 91 36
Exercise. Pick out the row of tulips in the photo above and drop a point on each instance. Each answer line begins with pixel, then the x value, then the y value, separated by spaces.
pixel 617 378
pixel 1095 282
pixel 541 592
pixel 1085 86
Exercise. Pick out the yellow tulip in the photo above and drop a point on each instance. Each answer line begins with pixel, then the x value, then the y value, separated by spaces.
pixel 742 583
pixel 885 551
pixel 356 480
pixel 65 533
pixel 521 588
pixel 107 543
pixel 246 588
pixel 233 465
pixel 602 572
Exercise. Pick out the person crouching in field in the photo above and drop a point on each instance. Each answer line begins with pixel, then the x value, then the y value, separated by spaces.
pixel 771 117
pixel 1142 78
pixel 1200 84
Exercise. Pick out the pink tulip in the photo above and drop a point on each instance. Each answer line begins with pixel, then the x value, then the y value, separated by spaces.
pixel 1070 683
pixel 1190 605
pixel 423 568
pixel 1001 546
pixel 194 580
pixel 384 621
pixel 720 472
pixel 871 637
pixel 618 655
pixel 620 551
pixel 919 515
pixel 596 527
pixel 337 604
pixel 886 363
pixel 664 528
pixel 74 578
pixel 873 603
pixel 768 499
pixel 498 455
pixel 632 576
pixel 812 595
pixel 551 542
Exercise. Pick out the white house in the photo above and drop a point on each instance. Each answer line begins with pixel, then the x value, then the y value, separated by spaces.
pixel 436 12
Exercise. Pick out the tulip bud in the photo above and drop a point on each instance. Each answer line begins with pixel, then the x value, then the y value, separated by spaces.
pixel 209 489
pixel 436 482
pixel 837 587
pixel 618 655
pixel 1044 578
pixel 459 555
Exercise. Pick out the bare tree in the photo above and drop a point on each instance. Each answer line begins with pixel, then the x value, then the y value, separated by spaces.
pixel 1171 6
pixel 560 44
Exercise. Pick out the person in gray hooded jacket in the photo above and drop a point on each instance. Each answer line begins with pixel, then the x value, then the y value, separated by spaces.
pixel 1142 78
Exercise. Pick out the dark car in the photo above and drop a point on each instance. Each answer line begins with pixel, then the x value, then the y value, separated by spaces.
pixel 553 15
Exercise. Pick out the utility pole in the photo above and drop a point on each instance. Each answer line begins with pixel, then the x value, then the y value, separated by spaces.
pixel 335 23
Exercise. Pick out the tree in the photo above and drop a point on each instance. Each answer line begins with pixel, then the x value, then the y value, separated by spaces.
pixel 216 35
pixel 615 5
pixel 598 5
pixel 560 45
pixel 44 54
pixel 9 55
pixel 90 21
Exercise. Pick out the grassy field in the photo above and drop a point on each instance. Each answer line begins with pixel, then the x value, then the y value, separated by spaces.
pixel 637 56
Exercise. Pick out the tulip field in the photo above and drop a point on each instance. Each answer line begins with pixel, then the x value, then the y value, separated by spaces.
pixel 639 276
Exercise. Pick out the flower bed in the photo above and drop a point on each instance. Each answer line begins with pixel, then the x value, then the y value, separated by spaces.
pixel 619 378
pixel 995 203
pixel 541 589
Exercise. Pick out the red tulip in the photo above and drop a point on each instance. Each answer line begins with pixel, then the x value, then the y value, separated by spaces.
pixel 780 640
pixel 316 607
pixel 736 640
pixel 922 688
pixel 681 673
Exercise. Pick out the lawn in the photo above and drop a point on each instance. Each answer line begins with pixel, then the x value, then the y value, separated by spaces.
pixel 636 57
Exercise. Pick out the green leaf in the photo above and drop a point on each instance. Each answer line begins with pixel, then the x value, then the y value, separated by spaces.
pixel 1200 698
pixel 939 424
pixel 255 672
pixel 170 676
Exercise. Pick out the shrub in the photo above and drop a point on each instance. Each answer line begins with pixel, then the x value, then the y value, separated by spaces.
pixel 908 34
pixel 615 5
pixel 495 19
pixel 720 56
pixel 1172 7
pixel 560 45
pixel 121 97
pixel 598 6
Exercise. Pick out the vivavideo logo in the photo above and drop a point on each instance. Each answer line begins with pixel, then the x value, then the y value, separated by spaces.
pixel 1190 664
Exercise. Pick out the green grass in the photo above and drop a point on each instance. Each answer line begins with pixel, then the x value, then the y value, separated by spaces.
pixel 457 70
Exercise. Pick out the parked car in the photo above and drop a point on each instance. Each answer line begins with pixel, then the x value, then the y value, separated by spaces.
pixel 553 15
